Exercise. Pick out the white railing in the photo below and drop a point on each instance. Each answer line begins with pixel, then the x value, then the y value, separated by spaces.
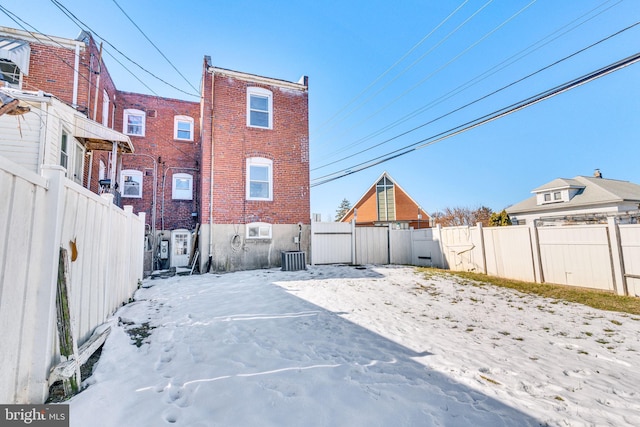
pixel 38 216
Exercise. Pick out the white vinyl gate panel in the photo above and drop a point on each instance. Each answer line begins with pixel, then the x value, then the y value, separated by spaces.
pixel 400 246
pixel 372 245
pixel 630 243
pixel 331 243
pixel 461 248
pixel 576 255
pixel 426 248
pixel 508 252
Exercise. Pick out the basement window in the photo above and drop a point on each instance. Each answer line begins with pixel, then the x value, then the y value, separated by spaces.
pixel 258 230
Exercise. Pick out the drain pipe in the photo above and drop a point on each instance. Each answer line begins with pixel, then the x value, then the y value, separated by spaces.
pixel 211 70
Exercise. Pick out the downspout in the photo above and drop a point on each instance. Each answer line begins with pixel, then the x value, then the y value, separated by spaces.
pixel 212 71
pixel 95 101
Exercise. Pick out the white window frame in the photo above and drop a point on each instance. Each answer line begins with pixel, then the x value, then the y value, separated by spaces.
pixel 182 119
pixel 78 163
pixel 65 152
pixel 130 112
pixel 180 193
pixel 258 230
pixel 134 174
pixel 259 162
pixel 263 93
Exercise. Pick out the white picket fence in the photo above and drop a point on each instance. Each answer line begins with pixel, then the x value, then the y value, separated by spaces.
pixel 38 216
pixel 604 256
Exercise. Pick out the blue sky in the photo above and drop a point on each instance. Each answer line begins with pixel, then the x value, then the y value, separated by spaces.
pixel 378 69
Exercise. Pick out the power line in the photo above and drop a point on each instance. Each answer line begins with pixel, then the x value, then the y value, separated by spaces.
pixel 415 86
pixel 153 44
pixel 482 97
pixel 388 70
pixel 424 55
pixel 77 21
pixel 485 119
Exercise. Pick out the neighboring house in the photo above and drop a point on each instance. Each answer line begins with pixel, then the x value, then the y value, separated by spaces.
pixel 162 177
pixel 254 169
pixel 386 203
pixel 50 132
pixel 243 177
pixel 580 200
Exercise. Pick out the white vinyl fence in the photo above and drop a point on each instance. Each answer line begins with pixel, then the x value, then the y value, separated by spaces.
pixel 38 216
pixel 603 256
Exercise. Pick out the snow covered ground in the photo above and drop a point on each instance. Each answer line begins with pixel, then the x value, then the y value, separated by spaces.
pixel 341 346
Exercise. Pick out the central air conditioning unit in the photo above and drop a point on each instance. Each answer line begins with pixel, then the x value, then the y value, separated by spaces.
pixel 294 261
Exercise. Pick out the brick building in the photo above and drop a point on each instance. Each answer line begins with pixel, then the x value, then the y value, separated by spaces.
pixel 386 203
pixel 255 169
pixel 243 178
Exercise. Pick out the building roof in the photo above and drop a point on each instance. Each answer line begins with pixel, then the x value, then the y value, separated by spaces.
pixel 363 197
pixel 592 191
pixel 94 134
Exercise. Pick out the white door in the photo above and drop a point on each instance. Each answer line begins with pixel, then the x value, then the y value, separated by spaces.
pixel 180 248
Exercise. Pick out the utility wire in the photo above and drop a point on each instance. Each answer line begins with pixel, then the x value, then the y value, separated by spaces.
pixel 482 97
pixel 442 67
pixel 484 119
pixel 388 70
pixel 76 20
pixel 153 44
pixel 470 83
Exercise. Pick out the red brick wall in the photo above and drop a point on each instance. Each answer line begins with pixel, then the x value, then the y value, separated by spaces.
pixel 286 144
pixel 170 156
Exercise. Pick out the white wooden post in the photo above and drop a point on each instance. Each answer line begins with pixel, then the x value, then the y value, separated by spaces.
pixel 49 232
pixel 442 255
pixel 354 261
pixel 617 265
pixel 313 240
pixel 107 271
pixel 535 253
pixel 482 252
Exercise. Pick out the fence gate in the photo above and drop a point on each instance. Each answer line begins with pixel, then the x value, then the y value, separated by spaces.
pixel 331 243
pixel 372 245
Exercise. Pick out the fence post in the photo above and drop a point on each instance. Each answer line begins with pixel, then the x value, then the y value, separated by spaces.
pixel 482 252
pixel 617 265
pixel 108 197
pixel 354 261
pixel 535 253
pixel 49 231
pixel 445 264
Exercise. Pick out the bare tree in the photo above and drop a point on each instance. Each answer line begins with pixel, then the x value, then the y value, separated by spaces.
pixel 459 216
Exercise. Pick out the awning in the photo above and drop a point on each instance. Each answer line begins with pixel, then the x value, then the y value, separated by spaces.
pixel 16 51
pixel 99 137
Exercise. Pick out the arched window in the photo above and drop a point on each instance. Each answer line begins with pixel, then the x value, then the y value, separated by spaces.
pixel 131 183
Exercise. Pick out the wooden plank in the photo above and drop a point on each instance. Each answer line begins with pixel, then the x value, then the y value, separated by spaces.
pixel 69 367
pixel 68 346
